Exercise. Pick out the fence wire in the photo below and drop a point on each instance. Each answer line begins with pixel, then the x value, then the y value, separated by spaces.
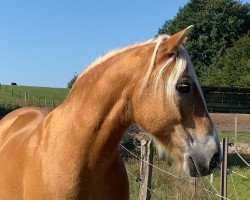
pixel 241 157
pixel 136 178
pixel 177 177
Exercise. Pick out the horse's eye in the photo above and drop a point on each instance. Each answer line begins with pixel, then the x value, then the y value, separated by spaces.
pixel 183 87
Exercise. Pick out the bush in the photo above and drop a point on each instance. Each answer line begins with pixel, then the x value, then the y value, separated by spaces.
pixel 72 81
pixel 7 108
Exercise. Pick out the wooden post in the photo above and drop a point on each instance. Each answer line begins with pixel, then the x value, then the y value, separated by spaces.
pixel 45 102
pixel 211 102
pixel 223 188
pixel 231 103
pixel 12 93
pixel 235 130
pixel 146 169
pixel 25 96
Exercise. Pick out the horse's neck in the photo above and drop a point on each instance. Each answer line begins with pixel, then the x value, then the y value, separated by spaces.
pixel 97 112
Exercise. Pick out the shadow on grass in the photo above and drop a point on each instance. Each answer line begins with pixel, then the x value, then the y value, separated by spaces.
pixel 235 161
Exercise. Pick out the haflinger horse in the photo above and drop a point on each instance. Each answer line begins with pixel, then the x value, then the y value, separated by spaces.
pixel 71 152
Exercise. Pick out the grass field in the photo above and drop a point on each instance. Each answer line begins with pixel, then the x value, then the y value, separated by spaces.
pixel 16 94
pixel 13 97
pixel 241 137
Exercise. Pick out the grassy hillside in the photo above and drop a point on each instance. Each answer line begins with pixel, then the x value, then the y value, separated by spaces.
pixel 12 97
pixel 33 93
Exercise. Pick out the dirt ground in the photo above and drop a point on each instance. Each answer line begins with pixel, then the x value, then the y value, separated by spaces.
pixel 226 122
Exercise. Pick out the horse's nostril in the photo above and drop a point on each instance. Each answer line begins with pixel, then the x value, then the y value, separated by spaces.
pixel 215 161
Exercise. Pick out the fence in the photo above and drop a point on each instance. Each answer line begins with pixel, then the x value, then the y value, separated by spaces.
pixel 227 100
pixel 147 167
pixel 218 99
pixel 25 98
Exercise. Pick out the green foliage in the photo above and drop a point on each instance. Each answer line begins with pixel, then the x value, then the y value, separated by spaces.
pixel 7 108
pixel 72 81
pixel 232 69
pixel 217 24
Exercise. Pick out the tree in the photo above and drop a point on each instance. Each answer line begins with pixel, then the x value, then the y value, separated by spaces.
pixel 233 69
pixel 217 24
pixel 72 81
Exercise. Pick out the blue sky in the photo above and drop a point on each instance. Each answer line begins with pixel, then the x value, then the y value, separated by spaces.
pixel 43 43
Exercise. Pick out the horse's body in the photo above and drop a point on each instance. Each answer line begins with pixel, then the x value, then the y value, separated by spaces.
pixel 72 151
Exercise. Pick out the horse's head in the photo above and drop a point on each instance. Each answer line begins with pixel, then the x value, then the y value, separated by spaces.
pixel 170 105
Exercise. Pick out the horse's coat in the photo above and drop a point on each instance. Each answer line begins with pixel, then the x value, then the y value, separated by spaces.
pixel 72 151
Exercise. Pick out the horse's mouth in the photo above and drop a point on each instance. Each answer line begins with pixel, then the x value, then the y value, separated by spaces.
pixel 197 170
pixel 191 166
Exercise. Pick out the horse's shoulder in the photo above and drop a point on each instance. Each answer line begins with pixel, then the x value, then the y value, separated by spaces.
pixel 20 120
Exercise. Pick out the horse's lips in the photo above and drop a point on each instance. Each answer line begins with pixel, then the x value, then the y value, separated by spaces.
pixel 191 166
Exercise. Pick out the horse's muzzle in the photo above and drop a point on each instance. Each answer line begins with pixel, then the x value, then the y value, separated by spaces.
pixel 201 160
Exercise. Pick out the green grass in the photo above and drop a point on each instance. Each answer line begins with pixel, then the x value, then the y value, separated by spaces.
pixel 166 186
pixel 36 95
pixel 241 137
pixel 13 97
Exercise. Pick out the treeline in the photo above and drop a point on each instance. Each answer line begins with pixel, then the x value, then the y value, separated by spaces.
pixel 219 44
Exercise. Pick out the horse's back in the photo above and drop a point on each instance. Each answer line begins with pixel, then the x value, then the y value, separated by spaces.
pixel 20 121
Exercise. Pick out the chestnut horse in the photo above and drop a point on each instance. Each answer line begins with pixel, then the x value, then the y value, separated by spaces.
pixel 72 152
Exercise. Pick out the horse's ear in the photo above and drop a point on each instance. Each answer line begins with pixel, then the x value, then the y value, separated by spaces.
pixel 185 41
pixel 172 43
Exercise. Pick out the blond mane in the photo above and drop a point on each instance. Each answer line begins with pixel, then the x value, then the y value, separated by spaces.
pixel 112 53
pixel 182 63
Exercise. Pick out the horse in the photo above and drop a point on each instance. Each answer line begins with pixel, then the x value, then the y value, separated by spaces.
pixel 71 152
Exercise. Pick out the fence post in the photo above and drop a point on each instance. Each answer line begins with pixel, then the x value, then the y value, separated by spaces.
pixel 235 130
pixel 223 188
pixel 12 93
pixel 25 97
pixel 146 170
pixel 45 102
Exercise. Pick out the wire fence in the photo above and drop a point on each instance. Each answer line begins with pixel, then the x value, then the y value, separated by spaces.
pixel 216 193
pixel 211 192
